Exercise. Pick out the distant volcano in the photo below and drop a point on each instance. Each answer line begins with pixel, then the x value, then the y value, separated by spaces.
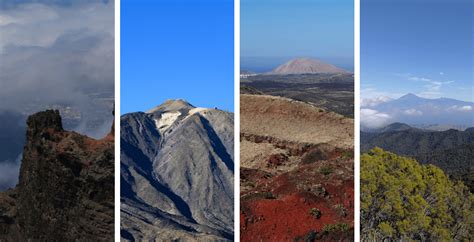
pixel 306 66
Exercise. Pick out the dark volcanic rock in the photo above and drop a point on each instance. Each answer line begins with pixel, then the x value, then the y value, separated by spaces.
pixel 66 187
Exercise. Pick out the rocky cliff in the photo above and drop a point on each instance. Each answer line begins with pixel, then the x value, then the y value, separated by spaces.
pixel 66 186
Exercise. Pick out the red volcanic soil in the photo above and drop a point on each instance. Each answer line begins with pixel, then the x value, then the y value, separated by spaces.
pixel 279 207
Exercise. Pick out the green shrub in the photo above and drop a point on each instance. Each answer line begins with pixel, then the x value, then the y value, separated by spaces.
pixel 403 200
pixel 337 227
pixel 268 195
pixel 315 213
pixel 326 170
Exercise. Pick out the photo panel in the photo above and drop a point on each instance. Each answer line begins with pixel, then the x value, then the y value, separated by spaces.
pixel 297 120
pixel 416 140
pixel 177 120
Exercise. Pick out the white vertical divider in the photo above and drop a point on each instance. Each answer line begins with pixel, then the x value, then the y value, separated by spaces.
pixel 357 120
pixel 117 120
pixel 237 119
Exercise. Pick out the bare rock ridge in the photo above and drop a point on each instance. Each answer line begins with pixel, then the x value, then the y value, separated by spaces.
pixel 66 186
pixel 177 170
pixel 306 66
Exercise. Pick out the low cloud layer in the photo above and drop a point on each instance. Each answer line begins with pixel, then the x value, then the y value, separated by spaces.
pixel 54 54
pixel 372 119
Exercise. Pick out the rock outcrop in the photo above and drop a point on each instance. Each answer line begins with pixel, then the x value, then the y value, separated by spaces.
pixel 66 186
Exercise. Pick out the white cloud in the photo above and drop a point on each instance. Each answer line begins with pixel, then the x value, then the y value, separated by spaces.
pixel 370 118
pixel 412 112
pixel 432 89
pixel 372 102
pixel 466 108
pixel 41 25
pixel 441 73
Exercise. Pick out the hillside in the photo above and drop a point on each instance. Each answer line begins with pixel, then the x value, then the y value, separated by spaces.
pixel 66 186
pixel 306 66
pixel 296 171
pixel 451 150
pixel 402 200
pixel 177 173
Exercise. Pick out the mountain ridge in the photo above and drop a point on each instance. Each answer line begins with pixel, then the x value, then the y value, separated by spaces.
pixel 177 161
pixel 451 150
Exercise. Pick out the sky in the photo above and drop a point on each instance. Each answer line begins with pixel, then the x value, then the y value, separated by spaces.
pixel 417 46
pixel 52 52
pixel 177 49
pixel 273 31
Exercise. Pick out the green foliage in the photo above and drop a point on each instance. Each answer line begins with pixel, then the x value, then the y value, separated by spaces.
pixel 347 154
pixel 268 195
pixel 338 227
pixel 401 199
pixel 326 170
pixel 315 213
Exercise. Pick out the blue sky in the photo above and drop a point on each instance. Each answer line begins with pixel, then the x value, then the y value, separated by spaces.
pixel 417 46
pixel 177 49
pixel 322 29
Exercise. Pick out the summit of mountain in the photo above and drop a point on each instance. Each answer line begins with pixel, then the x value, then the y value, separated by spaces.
pixel 172 105
pixel 177 173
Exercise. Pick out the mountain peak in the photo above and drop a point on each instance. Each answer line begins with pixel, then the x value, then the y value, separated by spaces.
pixel 409 96
pixel 171 105
pixel 44 120
pixel 303 65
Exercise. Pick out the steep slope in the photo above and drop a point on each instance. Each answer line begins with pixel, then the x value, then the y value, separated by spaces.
pixel 177 173
pixel 66 187
pixel 306 66
pixel 296 171
pixel 451 150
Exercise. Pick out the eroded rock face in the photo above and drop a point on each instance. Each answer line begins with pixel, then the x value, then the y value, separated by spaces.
pixel 177 172
pixel 66 187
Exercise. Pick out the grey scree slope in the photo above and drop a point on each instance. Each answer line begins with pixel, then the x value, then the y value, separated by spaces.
pixel 177 174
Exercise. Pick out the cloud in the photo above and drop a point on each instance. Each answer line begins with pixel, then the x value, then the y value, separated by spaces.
pixel 372 102
pixel 412 112
pixel 466 108
pixel 370 118
pixel 56 54
pixel 432 89
pixel 9 173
